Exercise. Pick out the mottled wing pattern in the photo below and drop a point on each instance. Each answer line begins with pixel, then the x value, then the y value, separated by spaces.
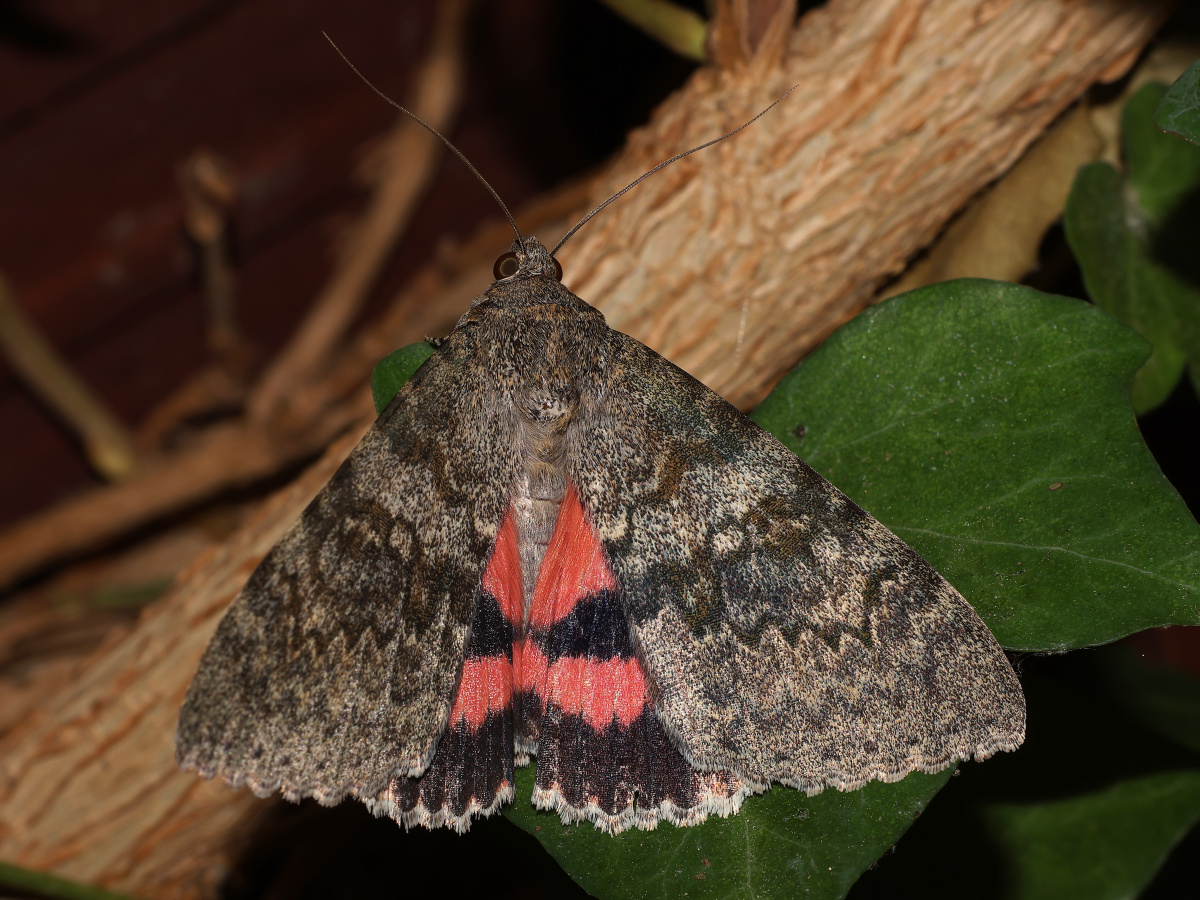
pixel 788 635
pixel 471 773
pixel 335 668
pixel 601 752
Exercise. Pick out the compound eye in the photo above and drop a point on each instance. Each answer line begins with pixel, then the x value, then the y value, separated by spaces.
pixel 557 270
pixel 506 266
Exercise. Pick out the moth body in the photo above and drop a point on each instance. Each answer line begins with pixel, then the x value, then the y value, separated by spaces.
pixel 556 548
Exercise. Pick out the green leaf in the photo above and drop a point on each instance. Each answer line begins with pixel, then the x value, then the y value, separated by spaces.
pixel 781 844
pixel 1163 170
pixel 1135 237
pixel 393 371
pixel 988 425
pixel 1096 846
pixel 1122 278
pixel 1179 110
pixel 51 886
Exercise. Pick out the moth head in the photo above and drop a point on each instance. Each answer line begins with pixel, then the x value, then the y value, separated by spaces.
pixel 527 257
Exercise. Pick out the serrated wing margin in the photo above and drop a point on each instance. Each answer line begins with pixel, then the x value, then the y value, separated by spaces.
pixel 336 666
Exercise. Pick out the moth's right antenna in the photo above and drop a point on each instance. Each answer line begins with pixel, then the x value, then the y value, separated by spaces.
pixel 663 165
pixel 441 137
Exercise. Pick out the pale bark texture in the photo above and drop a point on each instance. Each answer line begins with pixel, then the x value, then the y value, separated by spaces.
pixel 737 261
pixel 733 263
pixel 89 788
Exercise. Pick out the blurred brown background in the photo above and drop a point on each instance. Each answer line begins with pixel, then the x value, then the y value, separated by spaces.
pixel 101 102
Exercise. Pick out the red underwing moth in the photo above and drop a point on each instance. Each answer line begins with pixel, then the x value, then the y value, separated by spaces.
pixel 554 543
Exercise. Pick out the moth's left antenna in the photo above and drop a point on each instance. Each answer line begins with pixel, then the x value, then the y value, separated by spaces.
pixel 441 137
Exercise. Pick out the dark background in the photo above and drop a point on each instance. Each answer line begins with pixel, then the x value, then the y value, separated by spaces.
pixel 99 102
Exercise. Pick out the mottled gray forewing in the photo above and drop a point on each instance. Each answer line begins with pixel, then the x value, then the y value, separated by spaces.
pixel 335 667
pixel 787 635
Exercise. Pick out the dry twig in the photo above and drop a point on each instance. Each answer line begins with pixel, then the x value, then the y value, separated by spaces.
pixel 209 191
pixel 227 455
pixel 207 184
pixel 412 155
pixel 105 440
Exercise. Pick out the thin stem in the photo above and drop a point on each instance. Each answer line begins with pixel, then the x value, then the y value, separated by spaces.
pixel 106 441
pixel 209 190
pixel 675 27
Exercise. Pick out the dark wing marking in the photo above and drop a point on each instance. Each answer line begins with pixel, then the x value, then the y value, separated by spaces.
pixel 335 667
pixel 602 754
pixel 787 635
pixel 471 774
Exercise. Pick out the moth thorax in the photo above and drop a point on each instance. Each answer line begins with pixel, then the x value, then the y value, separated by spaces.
pixel 550 409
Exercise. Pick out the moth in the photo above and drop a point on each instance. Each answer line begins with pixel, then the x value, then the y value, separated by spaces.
pixel 555 547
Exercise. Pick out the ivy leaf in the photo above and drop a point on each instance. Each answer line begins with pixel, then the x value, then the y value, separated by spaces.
pixel 780 845
pixel 1122 277
pixel 1095 846
pixel 1163 171
pixel 1179 110
pixel 1134 238
pixel 391 372
pixel 988 425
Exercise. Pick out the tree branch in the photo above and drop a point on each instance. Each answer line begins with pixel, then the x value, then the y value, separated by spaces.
pixel 105 440
pixel 412 154
pixel 736 262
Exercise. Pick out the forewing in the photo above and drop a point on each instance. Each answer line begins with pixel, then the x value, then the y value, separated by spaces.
pixel 336 666
pixel 786 634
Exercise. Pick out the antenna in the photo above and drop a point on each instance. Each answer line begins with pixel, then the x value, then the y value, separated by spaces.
pixel 661 165
pixel 441 137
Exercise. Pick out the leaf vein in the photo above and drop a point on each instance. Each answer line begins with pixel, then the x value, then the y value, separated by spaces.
pixel 1051 549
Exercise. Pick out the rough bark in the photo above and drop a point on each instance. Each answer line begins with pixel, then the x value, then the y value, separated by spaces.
pixel 89 788
pixel 733 262
pixel 737 261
